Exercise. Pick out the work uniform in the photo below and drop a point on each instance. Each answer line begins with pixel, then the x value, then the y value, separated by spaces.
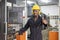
pixel 35 28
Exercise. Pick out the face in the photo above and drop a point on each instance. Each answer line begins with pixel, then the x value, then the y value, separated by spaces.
pixel 36 12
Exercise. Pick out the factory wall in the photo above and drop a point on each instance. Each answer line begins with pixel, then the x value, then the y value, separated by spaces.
pixel 51 10
pixel 59 19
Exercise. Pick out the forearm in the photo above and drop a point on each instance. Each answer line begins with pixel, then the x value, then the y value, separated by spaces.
pixel 24 28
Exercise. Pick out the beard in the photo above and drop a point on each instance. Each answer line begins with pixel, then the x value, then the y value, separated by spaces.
pixel 35 16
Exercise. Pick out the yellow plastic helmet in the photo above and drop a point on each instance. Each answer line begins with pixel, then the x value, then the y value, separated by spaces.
pixel 36 7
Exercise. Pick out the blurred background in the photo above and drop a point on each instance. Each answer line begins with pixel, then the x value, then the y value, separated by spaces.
pixel 15 13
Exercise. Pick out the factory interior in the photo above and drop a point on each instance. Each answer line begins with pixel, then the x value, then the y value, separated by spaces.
pixel 15 13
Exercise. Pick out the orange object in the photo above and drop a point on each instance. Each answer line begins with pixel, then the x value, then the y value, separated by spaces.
pixel 21 37
pixel 53 35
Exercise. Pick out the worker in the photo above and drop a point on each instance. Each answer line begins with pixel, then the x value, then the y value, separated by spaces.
pixel 35 24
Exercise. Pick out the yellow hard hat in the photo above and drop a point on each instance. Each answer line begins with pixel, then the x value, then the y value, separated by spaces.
pixel 36 7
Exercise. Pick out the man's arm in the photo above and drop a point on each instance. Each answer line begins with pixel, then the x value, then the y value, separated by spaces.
pixel 24 28
pixel 44 23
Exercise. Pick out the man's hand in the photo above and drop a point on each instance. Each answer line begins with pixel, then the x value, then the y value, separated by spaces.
pixel 16 33
pixel 44 21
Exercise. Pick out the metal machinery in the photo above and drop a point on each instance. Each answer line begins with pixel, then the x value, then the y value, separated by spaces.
pixel 16 18
pixel 15 21
pixel 2 19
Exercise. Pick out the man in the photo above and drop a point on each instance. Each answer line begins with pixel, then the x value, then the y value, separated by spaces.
pixel 35 24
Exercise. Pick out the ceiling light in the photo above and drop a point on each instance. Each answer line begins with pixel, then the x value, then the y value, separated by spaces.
pixel 9 4
pixel 29 2
pixel 45 1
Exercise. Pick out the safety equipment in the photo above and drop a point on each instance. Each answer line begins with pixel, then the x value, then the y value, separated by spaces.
pixel 36 7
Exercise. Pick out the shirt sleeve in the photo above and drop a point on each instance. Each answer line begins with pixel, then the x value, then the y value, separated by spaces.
pixel 24 28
